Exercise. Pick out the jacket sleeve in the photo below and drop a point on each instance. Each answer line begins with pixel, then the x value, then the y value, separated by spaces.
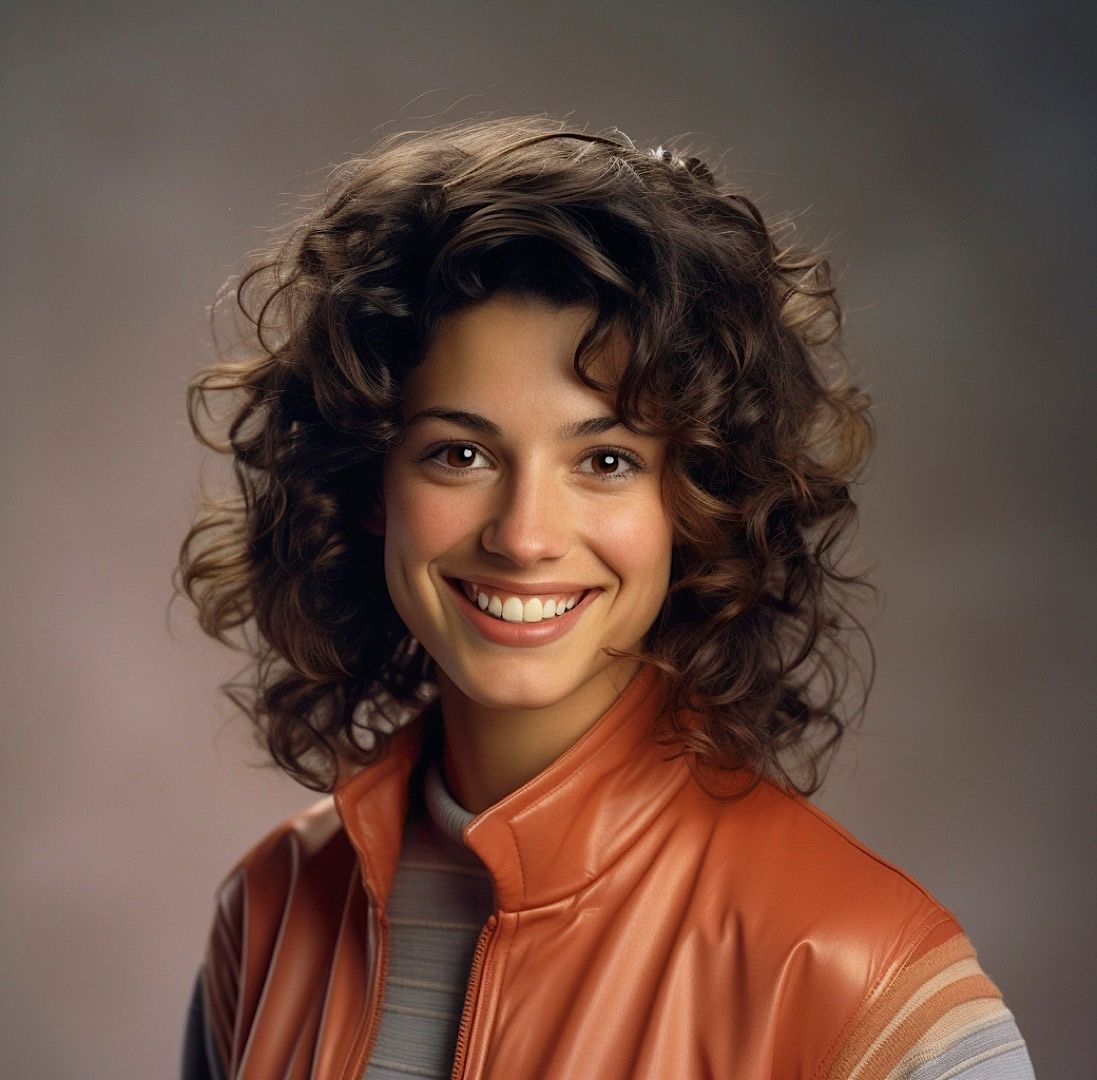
pixel 248 920
pixel 199 1061
pixel 940 1016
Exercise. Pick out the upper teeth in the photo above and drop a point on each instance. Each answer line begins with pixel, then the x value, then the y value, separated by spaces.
pixel 512 608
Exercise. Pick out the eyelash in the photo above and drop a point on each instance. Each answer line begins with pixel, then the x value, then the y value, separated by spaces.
pixel 634 463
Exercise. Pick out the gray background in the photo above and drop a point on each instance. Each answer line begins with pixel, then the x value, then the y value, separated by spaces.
pixel 944 153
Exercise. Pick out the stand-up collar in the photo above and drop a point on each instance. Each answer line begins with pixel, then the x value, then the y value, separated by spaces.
pixel 373 805
pixel 555 834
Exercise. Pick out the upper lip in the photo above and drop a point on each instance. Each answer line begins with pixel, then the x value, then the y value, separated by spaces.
pixel 535 588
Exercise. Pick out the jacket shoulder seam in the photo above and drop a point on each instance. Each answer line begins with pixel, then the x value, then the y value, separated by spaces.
pixel 296 825
pixel 855 842
pixel 936 918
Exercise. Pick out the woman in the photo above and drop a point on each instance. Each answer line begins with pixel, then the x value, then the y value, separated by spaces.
pixel 544 447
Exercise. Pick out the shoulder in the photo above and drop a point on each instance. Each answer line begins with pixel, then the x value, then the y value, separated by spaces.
pixel 806 864
pixel 308 845
pixel 867 934
pixel 297 837
pixel 269 869
pixel 938 1014
pixel 306 855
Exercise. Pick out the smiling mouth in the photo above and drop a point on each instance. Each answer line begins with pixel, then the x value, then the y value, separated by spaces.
pixel 511 608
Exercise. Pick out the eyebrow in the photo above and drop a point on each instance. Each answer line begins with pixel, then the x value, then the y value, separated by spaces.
pixel 581 429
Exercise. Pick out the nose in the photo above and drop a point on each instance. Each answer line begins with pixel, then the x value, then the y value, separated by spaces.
pixel 528 521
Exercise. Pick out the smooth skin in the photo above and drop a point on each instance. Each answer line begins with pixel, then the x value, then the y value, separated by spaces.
pixel 521 505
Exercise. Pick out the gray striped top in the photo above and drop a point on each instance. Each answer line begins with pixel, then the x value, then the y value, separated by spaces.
pixel 441 897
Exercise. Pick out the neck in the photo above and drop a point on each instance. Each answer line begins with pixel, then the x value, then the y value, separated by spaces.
pixel 491 752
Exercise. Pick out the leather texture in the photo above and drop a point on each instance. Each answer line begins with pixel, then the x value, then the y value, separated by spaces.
pixel 642 928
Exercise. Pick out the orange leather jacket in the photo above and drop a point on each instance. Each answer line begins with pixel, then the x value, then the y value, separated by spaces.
pixel 642 928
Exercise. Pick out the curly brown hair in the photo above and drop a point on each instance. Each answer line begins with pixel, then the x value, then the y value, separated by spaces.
pixel 733 359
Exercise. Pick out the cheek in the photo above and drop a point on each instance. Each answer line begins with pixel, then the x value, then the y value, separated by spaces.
pixel 423 520
pixel 638 544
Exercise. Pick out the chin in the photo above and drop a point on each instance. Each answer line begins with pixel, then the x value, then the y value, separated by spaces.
pixel 512 690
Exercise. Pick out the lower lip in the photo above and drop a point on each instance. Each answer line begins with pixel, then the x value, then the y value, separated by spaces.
pixel 521 635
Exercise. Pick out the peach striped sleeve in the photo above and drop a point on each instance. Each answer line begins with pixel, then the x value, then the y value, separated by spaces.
pixel 940 1018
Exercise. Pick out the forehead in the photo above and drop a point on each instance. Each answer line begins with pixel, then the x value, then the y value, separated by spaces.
pixel 515 349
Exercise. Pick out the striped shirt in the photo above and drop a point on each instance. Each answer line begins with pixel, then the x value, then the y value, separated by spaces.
pixel 441 896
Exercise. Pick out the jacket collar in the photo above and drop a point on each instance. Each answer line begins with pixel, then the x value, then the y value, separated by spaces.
pixel 554 835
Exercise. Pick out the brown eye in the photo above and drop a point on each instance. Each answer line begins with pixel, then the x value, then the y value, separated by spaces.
pixel 612 465
pixel 606 464
pixel 458 455
pixel 455 457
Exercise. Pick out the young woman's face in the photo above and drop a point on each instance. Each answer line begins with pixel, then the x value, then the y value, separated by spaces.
pixel 493 502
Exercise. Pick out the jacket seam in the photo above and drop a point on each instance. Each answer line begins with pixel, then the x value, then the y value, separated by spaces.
pixel 849 838
pixel 218 959
pixel 868 1003
pixel 294 877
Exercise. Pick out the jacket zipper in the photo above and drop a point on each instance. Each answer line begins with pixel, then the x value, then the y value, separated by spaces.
pixel 379 961
pixel 472 995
